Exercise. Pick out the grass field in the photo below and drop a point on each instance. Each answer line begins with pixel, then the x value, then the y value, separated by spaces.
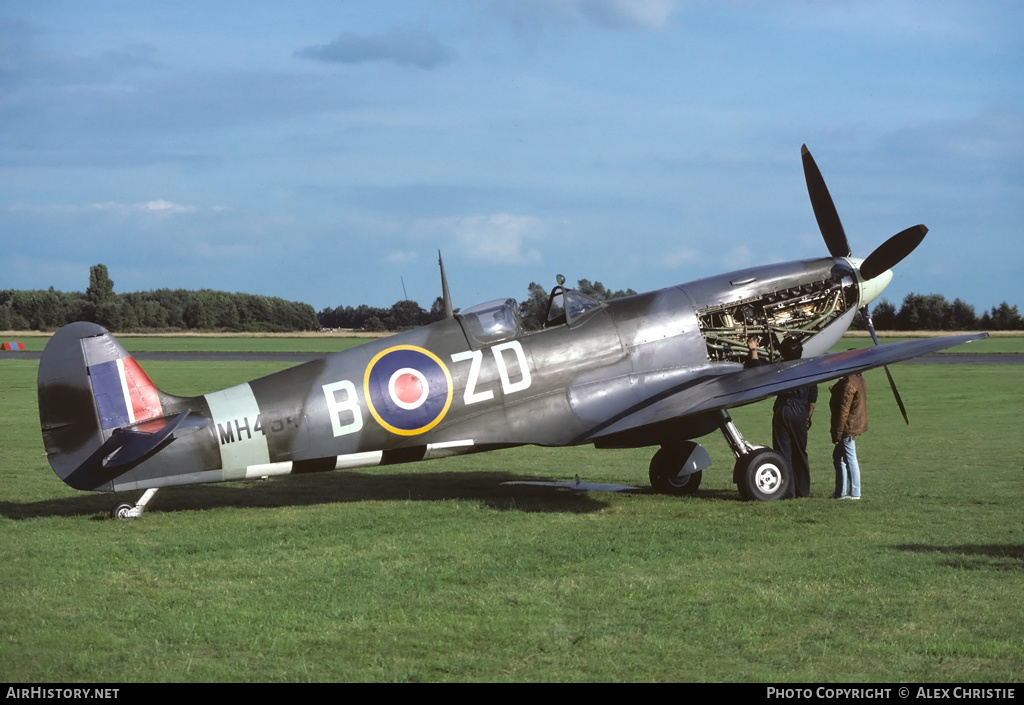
pixel 435 572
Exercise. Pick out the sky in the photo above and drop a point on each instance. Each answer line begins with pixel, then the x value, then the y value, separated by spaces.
pixel 326 151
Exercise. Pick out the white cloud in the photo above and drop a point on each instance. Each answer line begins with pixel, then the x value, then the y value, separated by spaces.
pixel 645 14
pixel 158 207
pixel 678 258
pixel 498 238
pixel 401 257
pixel 165 207
pixel 533 15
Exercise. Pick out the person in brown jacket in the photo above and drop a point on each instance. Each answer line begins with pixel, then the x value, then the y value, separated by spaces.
pixel 849 420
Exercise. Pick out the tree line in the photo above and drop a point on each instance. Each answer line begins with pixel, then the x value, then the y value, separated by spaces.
pixel 408 314
pixel 217 310
pixel 934 312
pixel 151 310
pixel 401 316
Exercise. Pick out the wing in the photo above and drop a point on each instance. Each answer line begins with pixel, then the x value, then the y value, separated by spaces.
pixel 745 386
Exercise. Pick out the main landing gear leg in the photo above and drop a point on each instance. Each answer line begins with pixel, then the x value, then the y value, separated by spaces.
pixel 133 511
pixel 760 473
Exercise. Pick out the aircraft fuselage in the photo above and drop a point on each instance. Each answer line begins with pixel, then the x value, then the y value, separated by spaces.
pixel 459 386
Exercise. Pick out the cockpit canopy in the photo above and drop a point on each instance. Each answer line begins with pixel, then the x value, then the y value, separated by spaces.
pixel 567 305
pixel 491 322
pixel 498 320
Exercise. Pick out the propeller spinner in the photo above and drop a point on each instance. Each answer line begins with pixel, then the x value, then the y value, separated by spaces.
pixel 885 257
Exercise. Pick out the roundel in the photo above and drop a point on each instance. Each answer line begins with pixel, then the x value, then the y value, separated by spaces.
pixel 408 389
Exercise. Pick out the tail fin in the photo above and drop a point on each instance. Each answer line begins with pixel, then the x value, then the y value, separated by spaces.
pixel 99 411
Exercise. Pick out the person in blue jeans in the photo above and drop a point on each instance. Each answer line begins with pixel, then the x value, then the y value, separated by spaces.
pixel 849 420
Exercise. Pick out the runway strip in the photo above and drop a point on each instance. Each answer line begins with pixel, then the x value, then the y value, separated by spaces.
pixel 966 359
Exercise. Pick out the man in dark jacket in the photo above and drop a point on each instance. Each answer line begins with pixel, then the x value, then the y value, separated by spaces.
pixel 849 420
pixel 791 418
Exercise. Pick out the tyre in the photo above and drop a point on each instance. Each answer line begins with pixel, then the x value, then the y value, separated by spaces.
pixel 122 511
pixel 664 471
pixel 763 476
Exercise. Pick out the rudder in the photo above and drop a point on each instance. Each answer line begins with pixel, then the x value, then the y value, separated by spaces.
pixel 90 388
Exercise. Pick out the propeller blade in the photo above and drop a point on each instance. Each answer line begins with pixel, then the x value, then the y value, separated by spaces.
pixel 865 312
pixel 896 393
pixel 824 209
pixel 892 251
pixel 892 383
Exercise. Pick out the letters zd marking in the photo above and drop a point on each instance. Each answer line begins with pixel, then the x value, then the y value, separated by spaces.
pixel 509 358
pixel 471 396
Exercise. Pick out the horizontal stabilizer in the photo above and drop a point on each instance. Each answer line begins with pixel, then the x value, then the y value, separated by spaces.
pixel 129 445
pixel 134 443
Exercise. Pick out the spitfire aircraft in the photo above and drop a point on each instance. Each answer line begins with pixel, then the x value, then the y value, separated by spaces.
pixel 654 369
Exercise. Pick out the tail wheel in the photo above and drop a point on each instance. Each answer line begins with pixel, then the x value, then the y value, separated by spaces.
pixel 122 511
pixel 665 467
pixel 763 475
pixel 673 485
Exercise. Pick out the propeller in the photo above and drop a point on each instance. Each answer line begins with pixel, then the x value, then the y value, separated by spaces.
pixel 824 209
pixel 892 251
pixel 892 383
pixel 885 257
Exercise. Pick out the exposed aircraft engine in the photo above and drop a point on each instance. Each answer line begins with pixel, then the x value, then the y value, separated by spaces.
pixel 799 311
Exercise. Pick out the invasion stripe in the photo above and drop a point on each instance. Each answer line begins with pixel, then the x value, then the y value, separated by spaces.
pixel 235 414
pixel 356 460
pixel 446 449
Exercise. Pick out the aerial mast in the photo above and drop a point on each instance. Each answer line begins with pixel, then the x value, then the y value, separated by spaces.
pixel 446 296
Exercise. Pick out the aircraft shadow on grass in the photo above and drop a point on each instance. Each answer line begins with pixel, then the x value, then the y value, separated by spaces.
pixel 483 487
pixel 986 556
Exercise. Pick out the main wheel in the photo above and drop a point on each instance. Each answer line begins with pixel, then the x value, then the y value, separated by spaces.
pixel 763 475
pixel 664 472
